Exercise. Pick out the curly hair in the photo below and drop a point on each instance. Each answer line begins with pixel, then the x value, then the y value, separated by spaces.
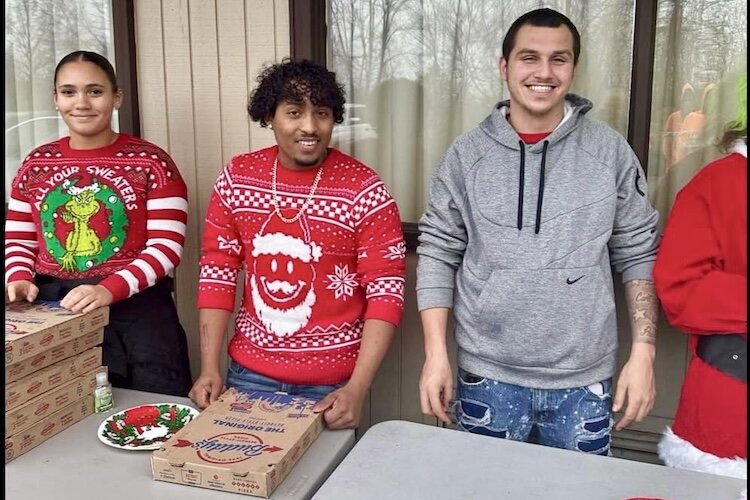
pixel 295 81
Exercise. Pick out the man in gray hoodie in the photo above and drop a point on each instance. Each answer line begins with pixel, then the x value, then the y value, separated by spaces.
pixel 528 214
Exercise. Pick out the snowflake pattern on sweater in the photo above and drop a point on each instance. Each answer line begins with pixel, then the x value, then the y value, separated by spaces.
pixel 310 284
pixel 117 212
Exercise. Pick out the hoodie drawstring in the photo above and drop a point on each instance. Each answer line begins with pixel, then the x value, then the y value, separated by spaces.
pixel 519 223
pixel 540 196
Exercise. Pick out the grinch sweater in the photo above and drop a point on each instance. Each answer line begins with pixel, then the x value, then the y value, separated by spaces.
pixel 701 280
pixel 116 212
pixel 309 284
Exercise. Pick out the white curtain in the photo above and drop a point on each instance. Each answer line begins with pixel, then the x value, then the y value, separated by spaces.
pixel 420 72
pixel 701 49
pixel 38 33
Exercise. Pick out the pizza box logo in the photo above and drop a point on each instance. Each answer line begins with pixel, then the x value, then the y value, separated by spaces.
pixel 229 447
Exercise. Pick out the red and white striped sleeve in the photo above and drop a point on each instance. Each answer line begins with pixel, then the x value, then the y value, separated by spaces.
pixel 21 244
pixel 166 223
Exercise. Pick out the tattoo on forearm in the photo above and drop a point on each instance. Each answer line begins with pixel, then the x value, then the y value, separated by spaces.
pixel 648 334
pixel 644 310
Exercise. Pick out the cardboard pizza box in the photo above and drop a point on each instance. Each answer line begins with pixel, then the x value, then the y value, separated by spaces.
pixel 40 407
pixel 46 379
pixel 17 371
pixel 244 443
pixel 36 327
pixel 17 445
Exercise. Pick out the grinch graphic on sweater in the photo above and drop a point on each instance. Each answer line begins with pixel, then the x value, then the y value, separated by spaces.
pixel 83 224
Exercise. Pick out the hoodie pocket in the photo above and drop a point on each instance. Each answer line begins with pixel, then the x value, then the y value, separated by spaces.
pixel 561 318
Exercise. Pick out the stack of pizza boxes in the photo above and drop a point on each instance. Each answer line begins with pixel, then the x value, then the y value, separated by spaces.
pixel 52 356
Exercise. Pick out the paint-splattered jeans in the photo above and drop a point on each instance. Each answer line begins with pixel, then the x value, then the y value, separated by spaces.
pixel 577 419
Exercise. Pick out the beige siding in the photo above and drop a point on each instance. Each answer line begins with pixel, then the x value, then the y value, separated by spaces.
pixel 197 62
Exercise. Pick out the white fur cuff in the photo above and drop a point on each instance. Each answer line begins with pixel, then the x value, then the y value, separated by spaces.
pixel 680 454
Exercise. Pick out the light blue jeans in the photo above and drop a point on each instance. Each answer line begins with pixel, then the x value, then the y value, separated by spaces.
pixel 246 380
pixel 577 419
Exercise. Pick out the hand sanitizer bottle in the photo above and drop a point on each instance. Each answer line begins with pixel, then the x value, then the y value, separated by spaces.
pixel 103 400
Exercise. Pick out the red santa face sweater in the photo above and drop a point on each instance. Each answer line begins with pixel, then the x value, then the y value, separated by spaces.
pixel 309 284
pixel 117 212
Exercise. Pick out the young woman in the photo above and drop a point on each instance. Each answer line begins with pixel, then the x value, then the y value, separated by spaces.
pixel 98 219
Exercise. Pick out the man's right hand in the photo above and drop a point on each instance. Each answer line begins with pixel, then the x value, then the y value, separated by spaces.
pixel 21 290
pixel 207 389
pixel 436 387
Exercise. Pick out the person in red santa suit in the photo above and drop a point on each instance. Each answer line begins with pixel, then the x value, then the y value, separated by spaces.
pixel 701 280
pixel 319 238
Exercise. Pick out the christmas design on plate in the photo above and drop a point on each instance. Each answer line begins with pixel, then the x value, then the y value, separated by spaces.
pixel 145 427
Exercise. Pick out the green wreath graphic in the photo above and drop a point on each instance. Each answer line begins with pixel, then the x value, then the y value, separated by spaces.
pixel 109 245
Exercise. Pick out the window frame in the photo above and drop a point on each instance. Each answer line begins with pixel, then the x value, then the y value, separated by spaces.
pixel 123 33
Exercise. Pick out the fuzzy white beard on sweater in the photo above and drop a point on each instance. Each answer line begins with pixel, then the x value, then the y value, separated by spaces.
pixel 282 322
pixel 680 454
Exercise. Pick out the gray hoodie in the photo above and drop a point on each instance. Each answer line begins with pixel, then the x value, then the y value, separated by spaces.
pixel 519 240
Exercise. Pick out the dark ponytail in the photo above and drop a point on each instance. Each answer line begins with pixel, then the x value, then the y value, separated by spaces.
pixel 92 57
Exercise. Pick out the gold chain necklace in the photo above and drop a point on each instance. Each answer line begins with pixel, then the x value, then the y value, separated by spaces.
pixel 277 204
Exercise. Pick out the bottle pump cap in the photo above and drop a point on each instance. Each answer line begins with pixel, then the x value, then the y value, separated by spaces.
pixel 101 378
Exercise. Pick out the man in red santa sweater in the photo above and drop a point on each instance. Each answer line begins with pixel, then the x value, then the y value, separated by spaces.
pixel 319 238
pixel 701 280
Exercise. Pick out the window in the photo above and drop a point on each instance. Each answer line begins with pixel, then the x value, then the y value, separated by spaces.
pixel 419 73
pixel 701 49
pixel 38 33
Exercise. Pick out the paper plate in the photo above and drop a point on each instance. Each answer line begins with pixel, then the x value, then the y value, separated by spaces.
pixel 145 427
